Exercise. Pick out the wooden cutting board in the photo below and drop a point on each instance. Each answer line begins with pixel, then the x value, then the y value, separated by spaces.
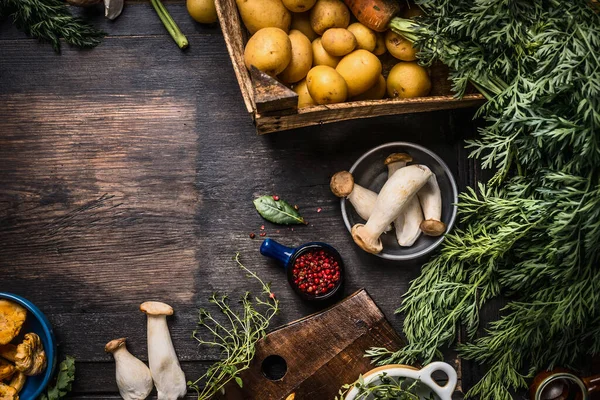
pixel 322 351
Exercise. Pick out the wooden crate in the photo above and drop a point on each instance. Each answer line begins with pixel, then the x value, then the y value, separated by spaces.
pixel 273 105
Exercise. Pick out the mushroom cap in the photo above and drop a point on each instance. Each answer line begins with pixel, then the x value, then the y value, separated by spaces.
pixel 31 357
pixel 362 241
pixel 397 157
pixel 432 227
pixel 156 308
pixel 12 318
pixel 114 345
pixel 342 184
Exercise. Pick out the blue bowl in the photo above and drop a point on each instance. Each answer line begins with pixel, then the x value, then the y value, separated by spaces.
pixel 36 322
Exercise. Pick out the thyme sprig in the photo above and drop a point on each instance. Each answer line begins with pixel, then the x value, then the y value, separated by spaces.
pixel 236 337
pixel 532 233
pixel 50 21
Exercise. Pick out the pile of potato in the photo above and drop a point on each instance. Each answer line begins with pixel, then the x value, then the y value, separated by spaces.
pixel 312 46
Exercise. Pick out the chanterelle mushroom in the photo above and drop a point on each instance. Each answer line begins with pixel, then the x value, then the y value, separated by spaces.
pixel 18 381
pixel 362 199
pixel 8 393
pixel 394 195
pixel 6 369
pixel 133 376
pixel 30 358
pixel 12 317
pixel 407 224
pixel 431 203
pixel 167 374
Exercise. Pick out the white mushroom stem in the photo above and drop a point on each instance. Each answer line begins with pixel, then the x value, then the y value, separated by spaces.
pixel 362 199
pixel 431 203
pixel 393 197
pixel 133 376
pixel 407 224
pixel 167 374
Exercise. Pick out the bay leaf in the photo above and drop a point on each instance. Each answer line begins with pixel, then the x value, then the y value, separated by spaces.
pixel 278 212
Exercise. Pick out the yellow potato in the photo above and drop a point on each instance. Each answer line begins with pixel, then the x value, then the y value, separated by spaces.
pixel 259 14
pixel 326 85
pixel 304 99
pixel 376 92
pixel 408 79
pixel 301 22
pixel 269 50
pixel 302 58
pixel 365 37
pixel 298 5
pixel 360 69
pixel 380 48
pixel 329 14
pixel 202 11
pixel 321 57
pixel 338 41
pixel 400 47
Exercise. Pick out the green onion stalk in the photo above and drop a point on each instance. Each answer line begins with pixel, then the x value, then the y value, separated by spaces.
pixel 170 24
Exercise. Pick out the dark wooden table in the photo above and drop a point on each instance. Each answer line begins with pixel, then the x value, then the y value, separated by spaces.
pixel 127 174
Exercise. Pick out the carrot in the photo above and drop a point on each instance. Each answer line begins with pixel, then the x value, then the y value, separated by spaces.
pixel 374 14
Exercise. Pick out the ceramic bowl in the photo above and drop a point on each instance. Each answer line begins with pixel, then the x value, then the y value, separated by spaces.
pixel 370 171
pixel 38 323
pixel 427 385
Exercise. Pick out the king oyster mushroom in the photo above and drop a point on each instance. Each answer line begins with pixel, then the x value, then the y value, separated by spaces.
pixel 407 224
pixel 133 376
pixel 431 203
pixel 362 199
pixel 167 374
pixel 393 197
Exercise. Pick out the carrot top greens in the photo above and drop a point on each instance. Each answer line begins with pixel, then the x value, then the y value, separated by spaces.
pixel 532 233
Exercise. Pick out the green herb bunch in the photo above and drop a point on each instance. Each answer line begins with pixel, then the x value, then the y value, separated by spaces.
pixel 532 233
pixel 236 338
pixel 64 381
pixel 385 387
pixel 49 21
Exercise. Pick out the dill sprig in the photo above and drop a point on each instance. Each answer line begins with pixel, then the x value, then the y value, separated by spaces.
pixel 237 337
pixel 532 233
pixel 49 21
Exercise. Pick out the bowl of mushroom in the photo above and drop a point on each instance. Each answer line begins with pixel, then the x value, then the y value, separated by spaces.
pixel 398 200
pixel 27 348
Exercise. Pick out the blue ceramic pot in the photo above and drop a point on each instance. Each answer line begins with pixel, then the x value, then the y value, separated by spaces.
pixel 286 256
pixel 36 322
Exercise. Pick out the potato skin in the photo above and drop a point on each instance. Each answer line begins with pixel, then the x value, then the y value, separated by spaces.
pixel 328 14
pixel 338 41
pixel 304 99
pixel 302 58
pixel 400 47
pixel 322 57
pixel 258 14
pixel 380 48
pixel 326 85
pixel 376 92
pixel 202 11
pixel 299 6
pixel 301 22
pixel 269 50
pixel 408 79
pixel 365 37
pixel 361 70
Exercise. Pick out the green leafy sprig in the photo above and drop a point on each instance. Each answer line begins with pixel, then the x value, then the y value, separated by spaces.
pixel 64 381
pixel 237 337
pixel 385 387
pixel 533 232
pixel 50 21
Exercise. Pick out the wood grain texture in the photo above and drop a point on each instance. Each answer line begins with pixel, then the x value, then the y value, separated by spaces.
pixel 127 174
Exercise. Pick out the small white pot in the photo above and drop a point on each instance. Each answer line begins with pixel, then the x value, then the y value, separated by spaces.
pixel 423 375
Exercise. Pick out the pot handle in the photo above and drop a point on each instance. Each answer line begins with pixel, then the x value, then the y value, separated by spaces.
pixel 270 248
pixel 592 384
pixel 445 392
